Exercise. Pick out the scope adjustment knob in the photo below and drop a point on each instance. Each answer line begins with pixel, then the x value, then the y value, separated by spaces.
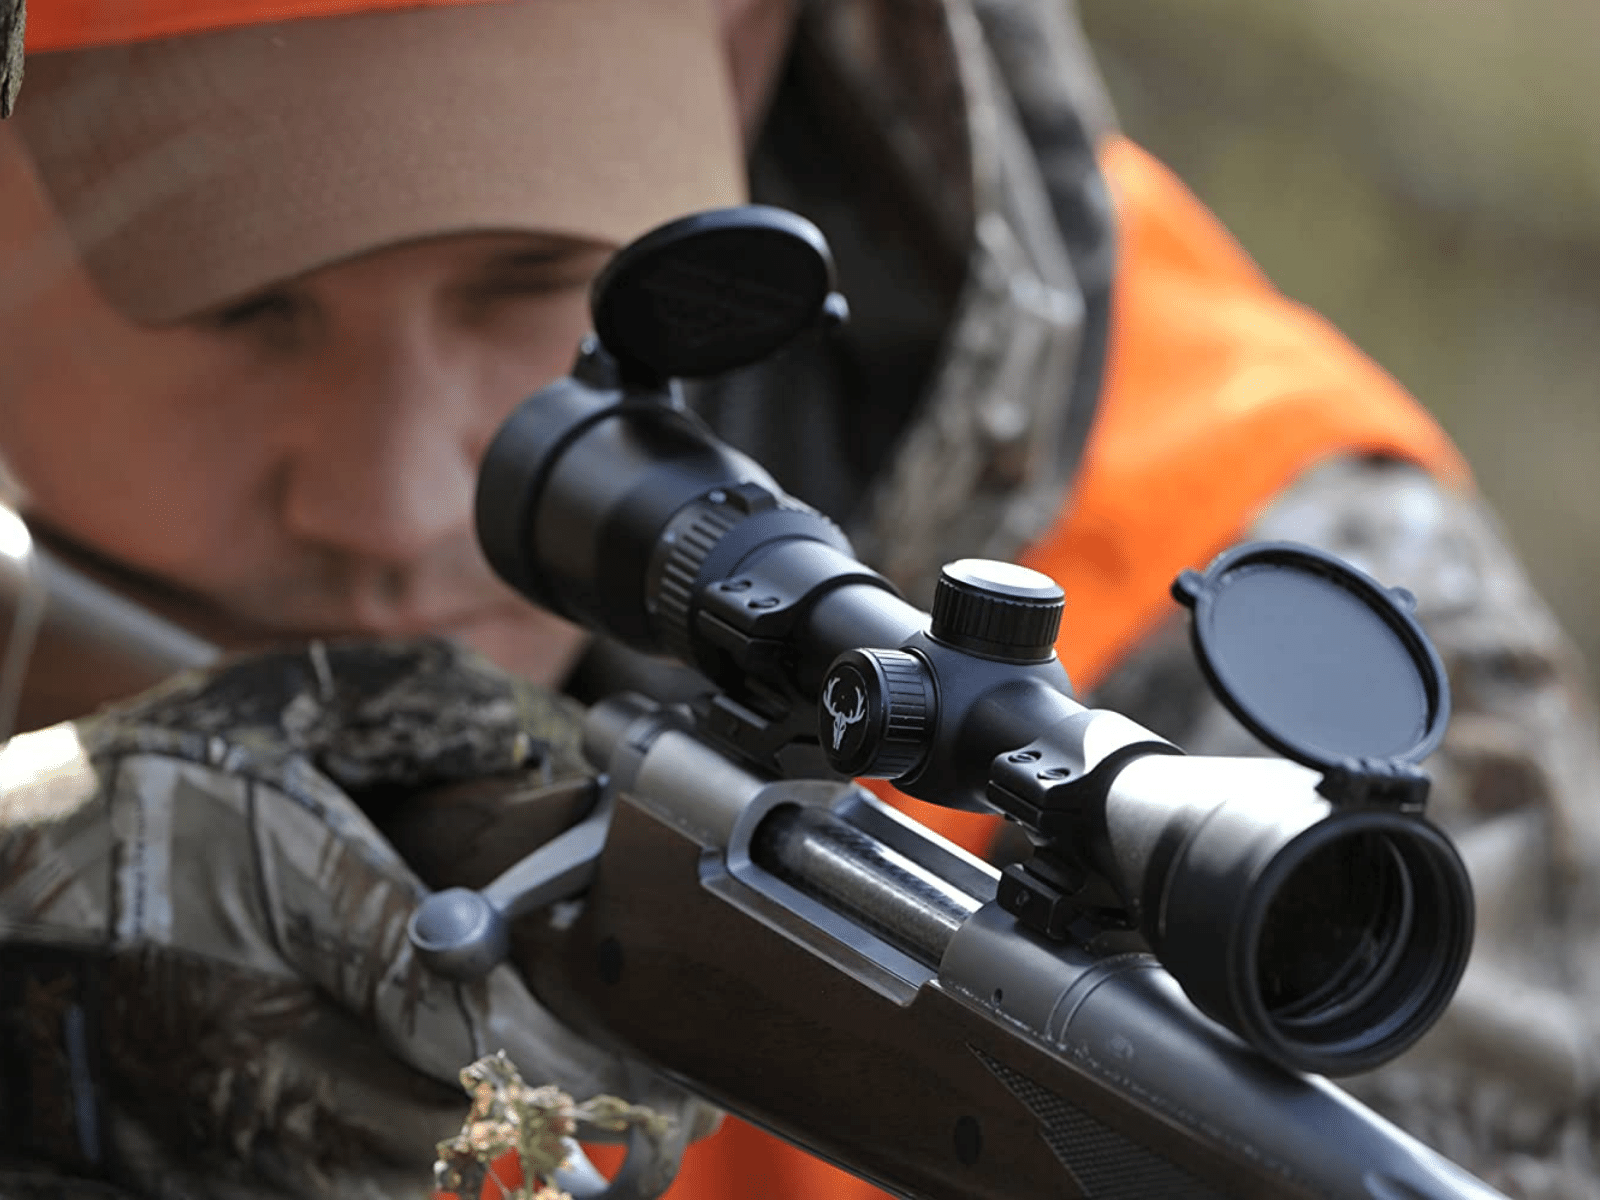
pixel 997 609
pixel 875 716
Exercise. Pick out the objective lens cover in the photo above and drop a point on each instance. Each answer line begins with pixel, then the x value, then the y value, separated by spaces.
pixel 1317 659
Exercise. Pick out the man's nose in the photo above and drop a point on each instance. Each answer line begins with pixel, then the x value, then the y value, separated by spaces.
pixel 383 458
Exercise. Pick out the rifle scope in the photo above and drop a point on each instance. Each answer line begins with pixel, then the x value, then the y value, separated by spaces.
pixel 1309 908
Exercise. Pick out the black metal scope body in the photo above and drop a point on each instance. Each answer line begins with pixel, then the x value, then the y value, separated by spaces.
pixel 1308 906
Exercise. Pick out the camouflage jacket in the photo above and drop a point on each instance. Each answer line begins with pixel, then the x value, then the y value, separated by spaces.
pixel 206 987
pixel 946 148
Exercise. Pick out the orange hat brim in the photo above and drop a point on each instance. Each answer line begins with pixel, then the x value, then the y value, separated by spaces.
pixel 81 24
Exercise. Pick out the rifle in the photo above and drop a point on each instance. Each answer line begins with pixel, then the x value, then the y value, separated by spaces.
pixel 1144 1007
pixel 68 642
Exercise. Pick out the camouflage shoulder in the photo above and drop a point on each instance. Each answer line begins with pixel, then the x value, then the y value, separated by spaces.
pixel 13 24
pixel 368 715
pixel 1517 783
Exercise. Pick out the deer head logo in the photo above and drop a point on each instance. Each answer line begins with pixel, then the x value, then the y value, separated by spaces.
pixel 843 720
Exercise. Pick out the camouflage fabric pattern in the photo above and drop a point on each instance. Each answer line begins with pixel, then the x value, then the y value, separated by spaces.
pixel 969 116
pixel 13 23
pixel 985 473
pixel 1508 1083
pixel 187 882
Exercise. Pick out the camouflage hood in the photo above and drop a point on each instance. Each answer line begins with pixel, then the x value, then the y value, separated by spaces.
pixel 946 147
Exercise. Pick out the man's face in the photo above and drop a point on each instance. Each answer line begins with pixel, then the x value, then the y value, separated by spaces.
pixel 301 461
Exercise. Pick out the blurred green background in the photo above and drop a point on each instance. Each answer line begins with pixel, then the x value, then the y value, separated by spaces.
pixel 1426 173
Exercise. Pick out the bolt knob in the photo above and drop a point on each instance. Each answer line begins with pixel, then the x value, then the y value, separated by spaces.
pixel 876 713
pixel 997 609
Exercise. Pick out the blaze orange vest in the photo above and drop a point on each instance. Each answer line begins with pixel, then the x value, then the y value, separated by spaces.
pixel 1219 392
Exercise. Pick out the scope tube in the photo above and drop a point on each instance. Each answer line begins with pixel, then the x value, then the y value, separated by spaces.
pixel 576 491
pixel 616 507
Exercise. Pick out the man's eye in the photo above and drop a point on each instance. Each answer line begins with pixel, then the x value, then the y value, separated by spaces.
pixel 267 308
pixel 539 273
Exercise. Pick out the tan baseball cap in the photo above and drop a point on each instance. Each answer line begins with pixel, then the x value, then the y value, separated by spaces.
pixel 195 167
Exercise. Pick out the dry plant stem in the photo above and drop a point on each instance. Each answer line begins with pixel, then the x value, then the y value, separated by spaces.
pixel 509 1116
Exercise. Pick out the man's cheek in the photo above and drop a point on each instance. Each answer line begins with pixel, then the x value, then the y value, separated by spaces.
pixel 153 504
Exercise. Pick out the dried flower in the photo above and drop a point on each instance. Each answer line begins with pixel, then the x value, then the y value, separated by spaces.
pixel 515 1137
